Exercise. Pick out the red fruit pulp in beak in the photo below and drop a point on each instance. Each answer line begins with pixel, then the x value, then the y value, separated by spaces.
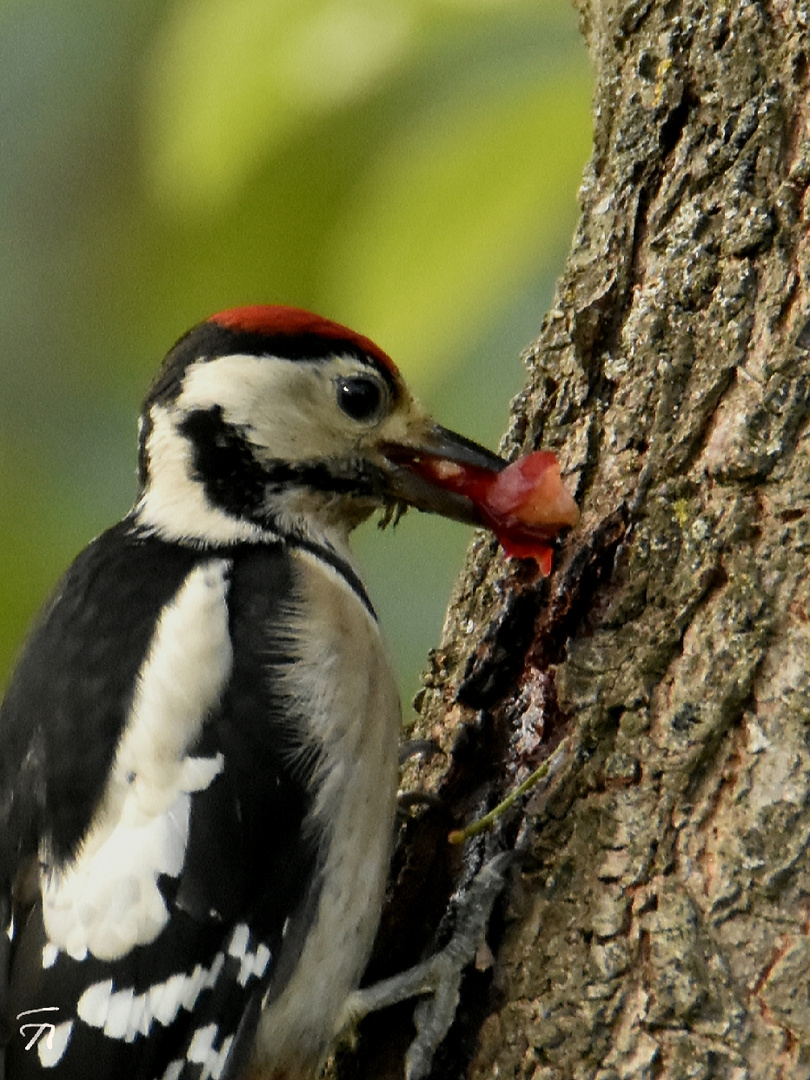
pixel 525 505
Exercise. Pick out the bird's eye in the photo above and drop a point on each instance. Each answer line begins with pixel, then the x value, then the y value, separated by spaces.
pixel 360 397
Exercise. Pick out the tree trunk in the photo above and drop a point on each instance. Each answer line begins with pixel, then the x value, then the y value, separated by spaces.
pixel 656 923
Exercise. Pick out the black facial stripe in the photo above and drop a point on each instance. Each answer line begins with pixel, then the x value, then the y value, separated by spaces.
pixel 209 340
pixel 223 462
pixel 358 478
pixel 237 483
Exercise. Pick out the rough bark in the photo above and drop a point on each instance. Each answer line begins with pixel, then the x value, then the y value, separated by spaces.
pixel 656 924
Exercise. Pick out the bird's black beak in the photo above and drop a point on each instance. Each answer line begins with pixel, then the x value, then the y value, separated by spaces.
pixel 526 504
pixel 425 473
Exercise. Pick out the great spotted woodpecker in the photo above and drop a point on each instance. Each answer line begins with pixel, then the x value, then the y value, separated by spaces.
pixel 198 746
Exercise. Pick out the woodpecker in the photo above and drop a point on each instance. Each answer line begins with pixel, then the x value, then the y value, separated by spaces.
pixel 198 745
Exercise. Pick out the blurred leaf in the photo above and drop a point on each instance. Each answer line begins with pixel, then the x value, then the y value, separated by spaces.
pixel 229 81
pixel 38 536
pixel 455 216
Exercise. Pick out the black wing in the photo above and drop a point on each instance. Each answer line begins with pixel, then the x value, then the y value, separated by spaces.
pixel 72 687
pixel 185 1004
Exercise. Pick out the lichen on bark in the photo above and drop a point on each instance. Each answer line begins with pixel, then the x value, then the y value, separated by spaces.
pixel 657 924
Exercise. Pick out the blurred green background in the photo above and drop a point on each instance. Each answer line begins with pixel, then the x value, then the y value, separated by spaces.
pixel 408 167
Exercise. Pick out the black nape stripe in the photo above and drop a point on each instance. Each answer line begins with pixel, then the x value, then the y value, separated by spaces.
pixel 340 566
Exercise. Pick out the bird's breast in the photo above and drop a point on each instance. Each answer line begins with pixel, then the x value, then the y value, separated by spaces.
pixel 341 683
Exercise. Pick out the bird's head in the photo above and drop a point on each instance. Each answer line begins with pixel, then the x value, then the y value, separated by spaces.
pixel 270 418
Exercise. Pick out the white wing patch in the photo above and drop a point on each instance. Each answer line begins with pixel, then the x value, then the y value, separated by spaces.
pixel 49 955
pixel 202 1052
pixel 251 963
pixel 51 1049
pixel 107 900
pixel 123 1014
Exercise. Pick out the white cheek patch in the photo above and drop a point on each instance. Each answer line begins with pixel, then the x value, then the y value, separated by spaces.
pixel 107 900
pixel 287 408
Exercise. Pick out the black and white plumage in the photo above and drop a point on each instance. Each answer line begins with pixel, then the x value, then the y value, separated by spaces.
pixel 198 746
